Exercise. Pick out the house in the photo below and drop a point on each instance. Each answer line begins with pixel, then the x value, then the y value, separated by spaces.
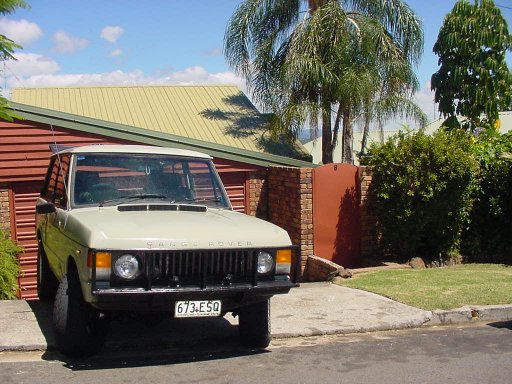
pixel 504 126
pixel 314 147
pixel 217 120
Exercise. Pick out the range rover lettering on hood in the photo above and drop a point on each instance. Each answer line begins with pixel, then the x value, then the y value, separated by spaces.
pixel 211 244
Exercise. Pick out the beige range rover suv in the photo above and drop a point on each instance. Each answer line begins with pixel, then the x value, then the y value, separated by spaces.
pixel 147 229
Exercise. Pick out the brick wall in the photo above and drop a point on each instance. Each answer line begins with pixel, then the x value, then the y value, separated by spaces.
pixel 5 221
pixel 290 205
pixel 369 243
pixel 258 199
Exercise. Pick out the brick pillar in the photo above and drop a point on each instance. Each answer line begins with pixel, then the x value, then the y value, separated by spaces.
pixel 258 201
pixel 5 214
pixel 290 205
pixel 369 236
pixel 306 210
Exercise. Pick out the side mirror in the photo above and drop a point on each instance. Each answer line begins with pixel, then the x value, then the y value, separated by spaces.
pixel 45 208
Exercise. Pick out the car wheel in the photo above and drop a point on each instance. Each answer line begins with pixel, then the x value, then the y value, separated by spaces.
pixel 254 324
pixel 47 283
pixel 80 330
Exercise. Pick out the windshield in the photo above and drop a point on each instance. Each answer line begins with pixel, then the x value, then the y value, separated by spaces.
pixel 113 179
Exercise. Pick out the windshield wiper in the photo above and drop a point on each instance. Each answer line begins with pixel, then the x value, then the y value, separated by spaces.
pixel 141 196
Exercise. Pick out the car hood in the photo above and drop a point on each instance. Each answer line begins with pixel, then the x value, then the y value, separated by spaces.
pixel 110 228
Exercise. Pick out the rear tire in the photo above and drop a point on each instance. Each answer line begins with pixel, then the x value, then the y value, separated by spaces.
pixel 254 325
pixel 47 283
pixel 80 330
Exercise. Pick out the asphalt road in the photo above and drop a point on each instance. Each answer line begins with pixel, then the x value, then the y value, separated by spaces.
pixel 470 354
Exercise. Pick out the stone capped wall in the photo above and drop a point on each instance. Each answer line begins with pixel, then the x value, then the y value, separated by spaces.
pixel 290 205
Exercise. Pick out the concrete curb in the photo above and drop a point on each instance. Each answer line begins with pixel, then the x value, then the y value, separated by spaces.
pixel 471 314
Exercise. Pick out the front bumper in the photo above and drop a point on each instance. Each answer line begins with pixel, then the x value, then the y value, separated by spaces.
pixel 229 275
pixel 163 299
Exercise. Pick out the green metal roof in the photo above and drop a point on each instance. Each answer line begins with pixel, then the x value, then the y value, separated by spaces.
pixel 219 114
pixel 150 137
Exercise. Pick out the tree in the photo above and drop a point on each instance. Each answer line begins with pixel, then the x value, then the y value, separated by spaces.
pixel 7 47
pixel 327 60
pixel 473 78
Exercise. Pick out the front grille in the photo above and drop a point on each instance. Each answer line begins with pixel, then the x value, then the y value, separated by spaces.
pixel 200 268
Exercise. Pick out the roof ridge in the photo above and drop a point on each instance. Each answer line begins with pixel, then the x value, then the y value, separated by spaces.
pixel 134 86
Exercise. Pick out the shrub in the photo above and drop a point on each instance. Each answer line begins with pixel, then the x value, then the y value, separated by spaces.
pixel 9 267
pixel 424 188
pixel 489 236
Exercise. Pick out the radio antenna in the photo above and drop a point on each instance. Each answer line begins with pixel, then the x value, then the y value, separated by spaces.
pixel 64 182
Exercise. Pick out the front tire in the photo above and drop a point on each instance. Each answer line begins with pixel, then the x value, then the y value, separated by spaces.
pixel 47 283
pixel 80 330
pixel 254 325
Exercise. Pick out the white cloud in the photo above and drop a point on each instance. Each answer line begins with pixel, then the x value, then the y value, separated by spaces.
pixel 116 53
pixel 111 33
pixel 65 43
pixel 199 75
pixel 22 31
pixel 193 75
pixel 31 64
pixel 85 79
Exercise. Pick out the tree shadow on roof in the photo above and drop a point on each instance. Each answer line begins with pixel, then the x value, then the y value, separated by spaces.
pixel 244 121
pixel 241 124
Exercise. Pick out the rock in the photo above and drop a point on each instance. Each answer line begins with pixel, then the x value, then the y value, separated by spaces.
pixel 345 274
pixel 319 269
pixel 341 273
pixel 417 263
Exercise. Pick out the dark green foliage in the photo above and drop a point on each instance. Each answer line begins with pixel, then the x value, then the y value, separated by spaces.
pixel 489 236
pixel 473 79
pixel 424 189
pixel 9 267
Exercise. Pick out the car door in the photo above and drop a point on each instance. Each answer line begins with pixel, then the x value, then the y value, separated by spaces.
pixel 56 191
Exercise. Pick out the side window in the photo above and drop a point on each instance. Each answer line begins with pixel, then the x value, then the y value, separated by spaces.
pixel 51 179
pixel 203 181
pixel 55 188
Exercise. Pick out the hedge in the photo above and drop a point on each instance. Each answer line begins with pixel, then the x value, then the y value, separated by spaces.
pixel 424 188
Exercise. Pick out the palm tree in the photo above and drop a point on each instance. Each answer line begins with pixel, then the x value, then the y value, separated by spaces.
pixel 327 60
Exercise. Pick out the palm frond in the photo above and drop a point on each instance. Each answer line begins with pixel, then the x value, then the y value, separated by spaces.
pixel 354 57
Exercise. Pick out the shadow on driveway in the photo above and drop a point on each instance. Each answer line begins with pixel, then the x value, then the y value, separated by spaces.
pixel 134 341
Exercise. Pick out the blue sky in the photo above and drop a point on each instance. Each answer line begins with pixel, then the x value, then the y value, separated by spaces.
pixel 108 42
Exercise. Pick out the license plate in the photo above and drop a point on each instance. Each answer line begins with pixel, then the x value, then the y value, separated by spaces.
pixel 197 308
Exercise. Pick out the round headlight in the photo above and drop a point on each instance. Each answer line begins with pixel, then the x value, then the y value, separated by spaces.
pixel 265 262
pixel 127 267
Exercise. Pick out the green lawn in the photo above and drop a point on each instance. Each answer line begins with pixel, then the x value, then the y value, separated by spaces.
pixel 440 288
